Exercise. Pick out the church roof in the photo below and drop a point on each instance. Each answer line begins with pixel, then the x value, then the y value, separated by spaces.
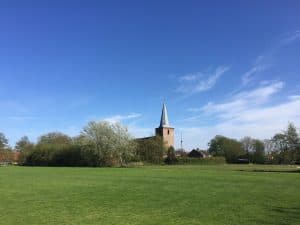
pixel 164 120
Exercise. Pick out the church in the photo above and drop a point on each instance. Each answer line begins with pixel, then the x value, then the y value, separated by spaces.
pixel 165 131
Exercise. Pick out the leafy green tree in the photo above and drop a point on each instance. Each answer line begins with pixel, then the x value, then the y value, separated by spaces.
pixel 111 143
pixel 280 148
pixel 3 141
pixel 287 146
pixel 292 136
pixel 44 152
pixel 24 146
pixel 22 143
pixel 259 152
pixel 255 149
pixel 223 146
pixel 171 157
pixel 5 151
pixel 293 142
pixel 55 138
pixel 216 146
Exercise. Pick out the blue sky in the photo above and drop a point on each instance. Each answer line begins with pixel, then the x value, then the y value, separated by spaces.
pixel 226 67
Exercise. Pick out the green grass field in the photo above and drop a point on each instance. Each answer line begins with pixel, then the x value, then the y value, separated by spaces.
pixel 150 195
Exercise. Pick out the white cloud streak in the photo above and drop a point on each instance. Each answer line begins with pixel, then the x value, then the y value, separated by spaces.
pixel 119 118
pixel 247 113
pixel 262 62
pixel 249 75
pixel 291 37
pixel 244 100
pixel 195 83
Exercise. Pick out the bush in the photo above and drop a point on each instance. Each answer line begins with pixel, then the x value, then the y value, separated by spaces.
pixel 39 156
pixel 171 158
pixel 71 155
pixel 58 155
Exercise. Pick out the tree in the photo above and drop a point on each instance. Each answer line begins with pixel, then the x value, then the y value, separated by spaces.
pixel 3 141
pixel 223 146
pixel 259 152
pixel 280 148
pixel 248 144
pixel 111 143
pixel 287 146
pixel 254 148
pixel 292 136
pixel 293 143
pixel 216 146
pixel 55 138
pixel 22 143
pixel 24 146
pixel 5 151
pixel 171 158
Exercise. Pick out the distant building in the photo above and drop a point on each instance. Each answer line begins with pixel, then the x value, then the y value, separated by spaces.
pixel 165 131
pixel 197 153
pixel 181 153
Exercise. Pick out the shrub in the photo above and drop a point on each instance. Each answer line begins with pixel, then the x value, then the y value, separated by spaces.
pixel 171 158
pixel 58 155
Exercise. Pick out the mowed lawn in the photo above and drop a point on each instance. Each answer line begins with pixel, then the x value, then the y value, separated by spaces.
pixel 150 195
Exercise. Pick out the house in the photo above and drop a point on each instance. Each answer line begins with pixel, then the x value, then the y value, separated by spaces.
pixel 197 153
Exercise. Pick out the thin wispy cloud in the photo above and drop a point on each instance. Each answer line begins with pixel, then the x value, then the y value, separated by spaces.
pixel 190 77
pixel 200 82
pixel 120 118
pixel 251 112
pixel 249 75
pixel 247 111
pixel 261 64
pixel 243 101
pixel 240 101
pixel 264 61
pixel 291 37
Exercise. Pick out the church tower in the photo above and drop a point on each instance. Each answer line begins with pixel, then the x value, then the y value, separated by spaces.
pixel 164 130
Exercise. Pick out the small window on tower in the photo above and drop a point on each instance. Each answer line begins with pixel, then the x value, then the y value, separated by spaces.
pixel 168 131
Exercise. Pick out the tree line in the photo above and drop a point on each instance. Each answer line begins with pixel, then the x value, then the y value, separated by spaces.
pixel 282 148
pixel 106 144
pixel 99 144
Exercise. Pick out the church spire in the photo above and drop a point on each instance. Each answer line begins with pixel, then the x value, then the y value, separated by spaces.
pixel 164 130
pixel 164 121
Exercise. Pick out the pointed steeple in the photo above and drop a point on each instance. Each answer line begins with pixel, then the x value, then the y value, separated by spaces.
pixel 164 121
pixel 164 130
